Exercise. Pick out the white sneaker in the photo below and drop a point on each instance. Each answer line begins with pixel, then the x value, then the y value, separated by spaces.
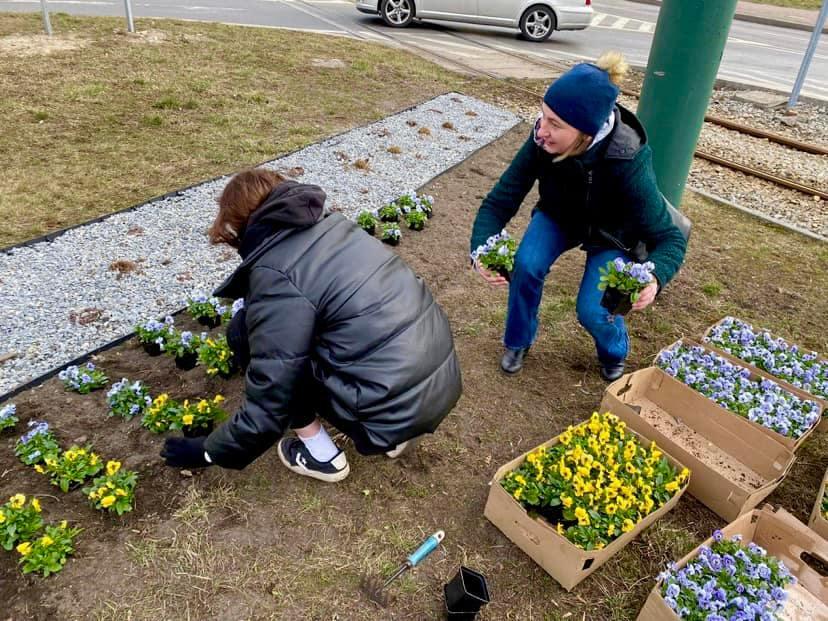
pixel 404 448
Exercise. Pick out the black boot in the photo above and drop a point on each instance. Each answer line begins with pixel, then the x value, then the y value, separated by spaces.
pixel 512 360
pixel 611 372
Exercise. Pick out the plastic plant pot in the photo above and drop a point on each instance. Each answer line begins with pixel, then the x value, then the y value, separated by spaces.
pixel 371 230
pixel 505 273
pixel 465 595
pixel 153 349
pixel 616 302
pixel 391 241
pixel 197 432
pixel 209 322
pixel 187 361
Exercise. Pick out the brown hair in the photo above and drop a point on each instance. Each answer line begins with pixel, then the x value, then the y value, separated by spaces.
pixel 581 144
pixel 241 197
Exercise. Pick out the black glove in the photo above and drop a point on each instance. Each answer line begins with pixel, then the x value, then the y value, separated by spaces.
pixel 184 452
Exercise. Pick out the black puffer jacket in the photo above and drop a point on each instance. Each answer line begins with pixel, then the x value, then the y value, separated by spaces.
pixel 336 322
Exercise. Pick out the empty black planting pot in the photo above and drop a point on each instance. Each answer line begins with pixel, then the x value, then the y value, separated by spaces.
pixel 616 302
pixel 466 594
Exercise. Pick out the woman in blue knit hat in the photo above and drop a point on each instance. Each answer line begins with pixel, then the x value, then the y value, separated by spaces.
pixel 598 191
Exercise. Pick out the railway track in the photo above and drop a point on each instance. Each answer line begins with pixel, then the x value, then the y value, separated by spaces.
pixel 786 141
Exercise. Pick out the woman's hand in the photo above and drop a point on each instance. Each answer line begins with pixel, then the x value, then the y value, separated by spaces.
pixel 646 297
pixel 493 278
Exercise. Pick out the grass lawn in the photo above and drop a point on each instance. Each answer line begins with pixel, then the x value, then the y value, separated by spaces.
pixel 90 137
pixel 796 4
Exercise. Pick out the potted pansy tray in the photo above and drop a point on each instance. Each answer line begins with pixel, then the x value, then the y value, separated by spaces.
pixel 576 500
pixel 622 283
pixel 789 416
pixel 497 254
pixel 756 568
pixel 791 366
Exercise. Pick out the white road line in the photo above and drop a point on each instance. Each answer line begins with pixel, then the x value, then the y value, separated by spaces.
pixel 646 27
pixel 92 2
pixel 598 18
pixel 619 23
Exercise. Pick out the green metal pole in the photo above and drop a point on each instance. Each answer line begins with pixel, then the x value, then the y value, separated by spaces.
pixel 684 58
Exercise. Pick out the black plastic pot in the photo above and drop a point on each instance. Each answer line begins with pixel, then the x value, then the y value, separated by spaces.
pixel 187 361
pixel 616 302
pixel 417 227
pixel 233 370
pixel 391 241
pixel 197 432
pixel 153 349
pixel 505 273
pixel 210 322
pixel 370 230
pixel 465 595
pixel 394 218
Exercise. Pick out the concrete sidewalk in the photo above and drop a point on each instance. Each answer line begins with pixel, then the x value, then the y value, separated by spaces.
pixel 785 17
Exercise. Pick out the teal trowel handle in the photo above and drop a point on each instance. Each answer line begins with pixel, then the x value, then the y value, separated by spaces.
pixel 426 547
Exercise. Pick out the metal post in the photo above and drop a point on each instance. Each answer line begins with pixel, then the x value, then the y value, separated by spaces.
pixel 687 48
pixel 809 54
pixel 130 23
pixel 47 25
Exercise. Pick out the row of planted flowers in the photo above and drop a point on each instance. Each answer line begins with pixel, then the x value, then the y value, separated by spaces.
pixel 411 208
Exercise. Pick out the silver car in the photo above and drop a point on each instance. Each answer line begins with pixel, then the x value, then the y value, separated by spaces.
pixel 536 19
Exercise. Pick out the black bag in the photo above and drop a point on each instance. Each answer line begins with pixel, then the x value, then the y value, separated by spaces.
pixel 639 252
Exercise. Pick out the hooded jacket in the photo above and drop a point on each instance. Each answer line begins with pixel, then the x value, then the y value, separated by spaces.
pixel 336 322
pixel 609 189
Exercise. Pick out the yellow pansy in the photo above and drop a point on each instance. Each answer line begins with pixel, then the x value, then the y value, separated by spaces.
pixel 39 469
pixel 112 467
pixel 627 526
pixel 108 501
pixel 565 438
pixel 2 517
pixel 518 493
pixel 672 486
pixel 582 516
pixel 17 501
pixel 218 399
pixel 611 530
pixel 682 477
pixel 560 529
pixel 24 548
pixel 520 480
pixel 187 419
pixel 110 485
pixel 94 459
pixel 600 545
pixel 567 501
pixel 69 455
pixel 64 524
pixel 202 406
pixel 611 509
pixel 46 541
pixel 36 505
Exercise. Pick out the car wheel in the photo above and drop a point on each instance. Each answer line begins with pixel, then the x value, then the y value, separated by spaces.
pixel 537 23
pixel 397 13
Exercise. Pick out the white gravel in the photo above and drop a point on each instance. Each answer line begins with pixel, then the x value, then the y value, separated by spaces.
pixel 44 286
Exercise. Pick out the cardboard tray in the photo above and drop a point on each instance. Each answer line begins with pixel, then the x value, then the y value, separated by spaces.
pixel 559 557
pixel 789 443
pixel 732 435
pixel 784 537
pixel 818 523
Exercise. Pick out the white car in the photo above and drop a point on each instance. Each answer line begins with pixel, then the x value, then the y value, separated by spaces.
pixel 535 19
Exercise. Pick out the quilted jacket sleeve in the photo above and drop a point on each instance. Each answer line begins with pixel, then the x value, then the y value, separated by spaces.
pixel 280 329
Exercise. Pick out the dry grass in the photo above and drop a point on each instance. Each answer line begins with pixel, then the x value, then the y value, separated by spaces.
pixel 113 119
pixel 797 4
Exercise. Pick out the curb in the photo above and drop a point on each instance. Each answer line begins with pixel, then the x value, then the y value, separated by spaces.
pixel 756 19
pixel 759 215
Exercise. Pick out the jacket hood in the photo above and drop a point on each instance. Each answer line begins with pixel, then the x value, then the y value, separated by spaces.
pixel 289 205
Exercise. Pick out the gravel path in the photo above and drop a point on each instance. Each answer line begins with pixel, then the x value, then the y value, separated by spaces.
pixel 91 285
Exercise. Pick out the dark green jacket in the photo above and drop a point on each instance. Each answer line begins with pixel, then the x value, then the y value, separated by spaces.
pixel 622 198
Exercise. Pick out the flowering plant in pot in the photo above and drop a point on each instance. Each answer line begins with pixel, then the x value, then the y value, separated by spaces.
pixel 183 346
pixel 207 311
pixel 391 234
pixel 367 222
pixel 198 419
pixel 727 582
pixel 113 491
pixel 596 483
pixel 153 334
pixel 127 399
pixel 217 357
pixel 19 521
pixel 37 444
pixel 8 418
pixel 232 309
pixel 71 468
pixel 84 379
pixel 622 282
pixel 761 401
pixel 411 201
pixel 415 220
pixel 801 368
pixel 160 415
pixel 48 553
pixel 497 254
pixel 389 213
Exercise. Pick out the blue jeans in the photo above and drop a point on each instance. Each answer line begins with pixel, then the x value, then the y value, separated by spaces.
pixel 542 244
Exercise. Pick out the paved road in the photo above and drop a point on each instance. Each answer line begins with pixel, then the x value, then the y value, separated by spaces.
pixel 766 56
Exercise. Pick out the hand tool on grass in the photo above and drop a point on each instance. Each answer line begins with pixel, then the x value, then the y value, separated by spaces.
pixel 374 586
